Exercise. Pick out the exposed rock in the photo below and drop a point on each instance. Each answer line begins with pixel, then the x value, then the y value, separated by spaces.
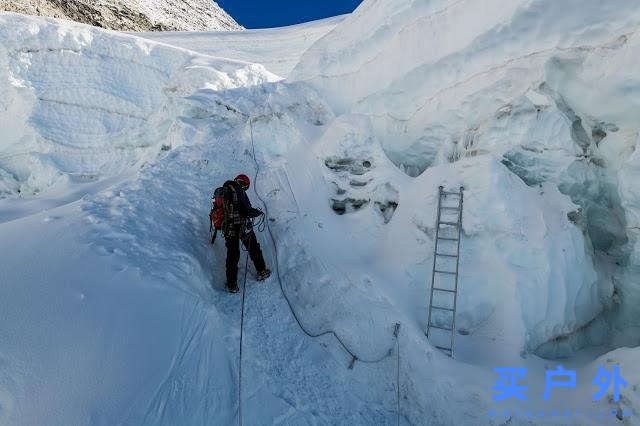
pixel 131 15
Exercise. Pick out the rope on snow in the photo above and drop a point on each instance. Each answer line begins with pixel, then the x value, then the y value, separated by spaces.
pixel 354 356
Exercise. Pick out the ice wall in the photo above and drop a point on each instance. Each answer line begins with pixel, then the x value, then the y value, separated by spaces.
pixel 547 88
pixel 81 103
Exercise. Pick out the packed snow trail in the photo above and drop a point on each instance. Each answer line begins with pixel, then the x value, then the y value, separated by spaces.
pixel 164 215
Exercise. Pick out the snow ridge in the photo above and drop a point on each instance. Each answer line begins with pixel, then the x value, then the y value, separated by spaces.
pixel 278 49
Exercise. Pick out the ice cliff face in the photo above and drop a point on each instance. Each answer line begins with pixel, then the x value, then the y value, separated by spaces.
pixel 132 15
pixel 547 89
pixel 82 103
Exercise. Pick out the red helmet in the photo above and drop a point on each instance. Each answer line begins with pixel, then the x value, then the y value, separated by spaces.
pixel 244 181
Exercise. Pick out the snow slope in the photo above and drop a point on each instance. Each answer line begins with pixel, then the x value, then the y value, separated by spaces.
pixel 132 15
pixel 119 315
pixel 278 49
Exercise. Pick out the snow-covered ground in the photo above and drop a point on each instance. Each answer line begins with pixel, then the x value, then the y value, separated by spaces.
pixel 113 300
pixel 278 49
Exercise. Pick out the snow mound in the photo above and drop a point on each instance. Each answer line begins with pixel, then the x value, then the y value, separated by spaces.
pixel 82 103
pixel 541 283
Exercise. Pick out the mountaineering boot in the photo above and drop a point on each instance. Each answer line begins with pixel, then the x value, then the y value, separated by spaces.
pixel 263 275
pixel 233 288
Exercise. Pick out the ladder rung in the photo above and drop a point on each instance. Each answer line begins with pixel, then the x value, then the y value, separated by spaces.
pixel 441 308
pixel 449 193
pixel 446 255
pixel 449 223
pixel 444 289
pixel 443 348
pixel 445 272
pixel 440 328
pixel 447 238
pixel 449 208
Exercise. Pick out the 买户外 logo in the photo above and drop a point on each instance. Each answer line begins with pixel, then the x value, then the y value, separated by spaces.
pixel 509 384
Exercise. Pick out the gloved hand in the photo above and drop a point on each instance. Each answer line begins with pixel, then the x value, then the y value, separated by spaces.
pixel 254 213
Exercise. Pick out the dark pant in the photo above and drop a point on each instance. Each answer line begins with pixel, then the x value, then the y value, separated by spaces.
pixel 233 254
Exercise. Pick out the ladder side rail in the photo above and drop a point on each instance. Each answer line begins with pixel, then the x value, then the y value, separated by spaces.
pixel 455 297
pixel 433 270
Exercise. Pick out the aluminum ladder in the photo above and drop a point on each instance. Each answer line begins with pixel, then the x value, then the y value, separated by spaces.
pixel 441 324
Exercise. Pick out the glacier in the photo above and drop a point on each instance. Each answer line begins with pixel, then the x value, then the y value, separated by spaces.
pixel 552 102
pixel 111 144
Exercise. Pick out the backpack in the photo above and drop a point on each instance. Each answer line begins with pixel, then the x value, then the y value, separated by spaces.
pixel 217 214
pixel 223 214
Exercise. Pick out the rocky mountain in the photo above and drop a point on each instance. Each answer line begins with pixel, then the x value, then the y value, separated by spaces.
pixel 132 15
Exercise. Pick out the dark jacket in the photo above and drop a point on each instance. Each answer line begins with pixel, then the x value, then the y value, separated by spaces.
pixel 239 198
pixel 242 209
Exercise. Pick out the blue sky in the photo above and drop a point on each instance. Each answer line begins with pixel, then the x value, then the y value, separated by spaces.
pixel 278 13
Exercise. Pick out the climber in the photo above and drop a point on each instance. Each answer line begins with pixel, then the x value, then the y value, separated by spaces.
pixel 233 214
